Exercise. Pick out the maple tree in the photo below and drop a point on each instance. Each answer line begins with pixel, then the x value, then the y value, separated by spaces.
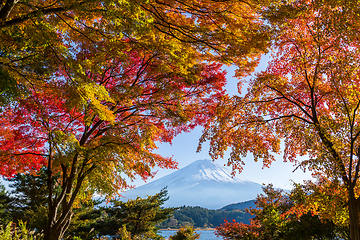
pixel 39 36
pixel 280 215
pixel 328 199
pixel 307 99
pixel 91 86
pixel 107 126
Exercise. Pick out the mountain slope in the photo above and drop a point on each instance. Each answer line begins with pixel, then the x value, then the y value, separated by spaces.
pixel 239 206
pixel 201 183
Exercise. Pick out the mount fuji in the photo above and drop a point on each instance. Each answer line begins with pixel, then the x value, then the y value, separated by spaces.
pixel 201 183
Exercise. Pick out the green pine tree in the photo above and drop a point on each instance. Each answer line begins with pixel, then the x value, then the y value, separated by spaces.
pixel 185 233
pixel 6 206
pixel 136 218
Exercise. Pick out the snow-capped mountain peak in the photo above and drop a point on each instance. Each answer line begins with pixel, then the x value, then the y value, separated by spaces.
pixel 201 183
pixel 208 170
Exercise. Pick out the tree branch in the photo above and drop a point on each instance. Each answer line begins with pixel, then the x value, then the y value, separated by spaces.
pixel 5 13
pixel 6 10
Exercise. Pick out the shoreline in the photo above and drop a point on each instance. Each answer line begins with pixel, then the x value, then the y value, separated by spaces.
pixel 196 229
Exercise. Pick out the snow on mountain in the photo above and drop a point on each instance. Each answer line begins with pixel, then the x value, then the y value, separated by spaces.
pixel 201 183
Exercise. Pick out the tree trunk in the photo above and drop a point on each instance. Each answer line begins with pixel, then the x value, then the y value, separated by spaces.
pixel 354 216
pixel 55 229
pixel 60 206
pixel 52 234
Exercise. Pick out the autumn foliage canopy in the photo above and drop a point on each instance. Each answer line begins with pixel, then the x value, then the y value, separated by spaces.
pixel 89 88
pixel 123 107
pixel 307 99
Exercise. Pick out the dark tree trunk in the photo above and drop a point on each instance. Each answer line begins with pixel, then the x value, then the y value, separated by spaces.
pixel 354 215
pixel 56 228
pixel 60 206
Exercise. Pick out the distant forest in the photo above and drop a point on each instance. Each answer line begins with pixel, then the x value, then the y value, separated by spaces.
pixel 200 217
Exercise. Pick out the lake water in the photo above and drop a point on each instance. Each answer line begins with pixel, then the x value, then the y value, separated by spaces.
pixel 204 235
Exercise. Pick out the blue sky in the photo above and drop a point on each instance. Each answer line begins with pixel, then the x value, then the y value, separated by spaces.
pixel 183 150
